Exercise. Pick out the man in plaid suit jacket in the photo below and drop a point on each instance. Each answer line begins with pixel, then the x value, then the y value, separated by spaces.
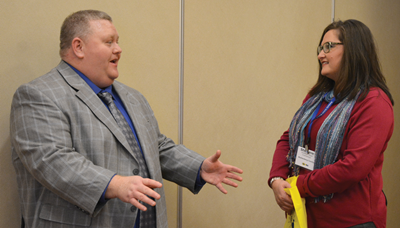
pixel 74 166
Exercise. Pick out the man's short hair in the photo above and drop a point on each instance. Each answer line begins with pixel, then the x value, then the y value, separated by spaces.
pixel 77 25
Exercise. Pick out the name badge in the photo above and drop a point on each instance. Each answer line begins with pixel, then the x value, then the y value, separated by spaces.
pixel 305 158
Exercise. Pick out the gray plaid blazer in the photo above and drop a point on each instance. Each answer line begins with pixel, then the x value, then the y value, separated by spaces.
pixel 66 146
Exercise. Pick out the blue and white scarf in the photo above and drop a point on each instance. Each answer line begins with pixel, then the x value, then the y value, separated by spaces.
pixel 330 135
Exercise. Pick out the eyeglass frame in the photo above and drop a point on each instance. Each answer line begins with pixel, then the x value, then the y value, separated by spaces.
pixel 328 45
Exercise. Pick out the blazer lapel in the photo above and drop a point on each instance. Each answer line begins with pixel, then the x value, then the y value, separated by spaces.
pixel 137 117
pixel 93 102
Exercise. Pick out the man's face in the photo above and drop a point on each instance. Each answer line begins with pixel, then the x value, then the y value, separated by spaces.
pixel 101 53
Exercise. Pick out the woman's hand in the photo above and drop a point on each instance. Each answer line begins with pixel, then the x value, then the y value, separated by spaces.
pixel 282 198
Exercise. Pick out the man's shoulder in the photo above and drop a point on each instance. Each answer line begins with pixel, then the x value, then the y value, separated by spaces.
pixel 50 76
pixel 123 88
pixel 126 92
pixel 53 83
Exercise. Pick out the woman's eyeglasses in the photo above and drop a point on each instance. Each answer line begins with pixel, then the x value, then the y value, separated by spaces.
pixel 326 47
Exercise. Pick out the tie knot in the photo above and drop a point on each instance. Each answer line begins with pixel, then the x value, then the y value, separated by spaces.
pixel 106 97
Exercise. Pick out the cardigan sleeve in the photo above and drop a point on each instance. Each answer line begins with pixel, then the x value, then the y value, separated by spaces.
pixel 280 166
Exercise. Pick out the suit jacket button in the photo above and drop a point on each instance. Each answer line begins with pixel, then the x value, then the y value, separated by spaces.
pixel 135 172
pixel 133 208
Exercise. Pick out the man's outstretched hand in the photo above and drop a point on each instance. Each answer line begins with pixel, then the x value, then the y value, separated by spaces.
pixel 215 172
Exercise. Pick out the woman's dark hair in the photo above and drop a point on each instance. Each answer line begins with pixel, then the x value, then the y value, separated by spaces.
pixel 360 67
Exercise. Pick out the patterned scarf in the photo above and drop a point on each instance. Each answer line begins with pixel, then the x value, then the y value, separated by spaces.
pixel 329 137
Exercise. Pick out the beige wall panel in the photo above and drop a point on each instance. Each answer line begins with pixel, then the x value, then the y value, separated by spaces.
pixel 248 66
pixel 149 38
pixel 383 18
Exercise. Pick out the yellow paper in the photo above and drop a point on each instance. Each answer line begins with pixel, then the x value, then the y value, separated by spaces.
pixel 298 218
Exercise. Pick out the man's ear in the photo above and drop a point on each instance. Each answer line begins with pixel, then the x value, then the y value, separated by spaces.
pixel 77 47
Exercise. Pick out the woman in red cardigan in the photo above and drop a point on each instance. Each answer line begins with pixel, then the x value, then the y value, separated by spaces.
pixel 336 140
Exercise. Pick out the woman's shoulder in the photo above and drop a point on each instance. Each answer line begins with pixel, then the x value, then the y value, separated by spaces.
pixel 376 101
pixel 376 94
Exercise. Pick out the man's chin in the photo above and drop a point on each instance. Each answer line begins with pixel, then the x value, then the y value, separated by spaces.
pixel 107 82
pixel 113 76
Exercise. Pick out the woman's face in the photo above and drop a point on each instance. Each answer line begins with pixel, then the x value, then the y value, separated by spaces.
pixel 331 61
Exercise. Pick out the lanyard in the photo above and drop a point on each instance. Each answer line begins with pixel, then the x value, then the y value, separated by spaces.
pixel 314 117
